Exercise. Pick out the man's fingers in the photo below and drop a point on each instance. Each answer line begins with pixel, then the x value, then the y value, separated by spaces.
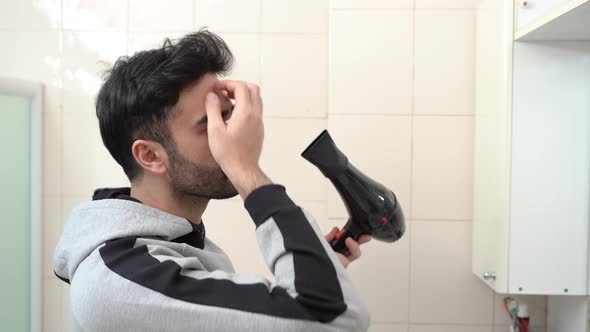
pixel 353 248
pixel 364 238
pixel 255 95
pixel 236 89
pixel 330 236
pixel 213 109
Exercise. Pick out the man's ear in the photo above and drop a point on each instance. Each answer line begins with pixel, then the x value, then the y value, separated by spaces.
pixel 151 156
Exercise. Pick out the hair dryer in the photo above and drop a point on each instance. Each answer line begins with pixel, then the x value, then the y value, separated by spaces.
pixel 372 208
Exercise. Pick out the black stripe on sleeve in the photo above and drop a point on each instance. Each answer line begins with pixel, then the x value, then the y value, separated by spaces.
pixel 137 265
pixel 66 280
pixel 316 281
pixel 263 202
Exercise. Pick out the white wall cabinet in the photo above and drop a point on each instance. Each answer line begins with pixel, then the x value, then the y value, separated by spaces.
pixel 532 150
pixel 529 10
pixel 551 20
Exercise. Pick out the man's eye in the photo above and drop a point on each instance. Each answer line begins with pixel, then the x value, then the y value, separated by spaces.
pixel 227 113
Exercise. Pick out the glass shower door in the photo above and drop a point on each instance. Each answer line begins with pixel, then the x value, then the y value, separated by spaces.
pixel 15 213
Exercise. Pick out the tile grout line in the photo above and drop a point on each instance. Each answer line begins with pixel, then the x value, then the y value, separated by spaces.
pixel 128 14
pixel 446 324
pixel 61 113
pixel 414 8
pixel 259 34
pixel 194 15
pixel 61 153
pixel 440 220
pixel 328 71
pixel 61 135
pixel 411 198
pixel 260 59
pixel 466 115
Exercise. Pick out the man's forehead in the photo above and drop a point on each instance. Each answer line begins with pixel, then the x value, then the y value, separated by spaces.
pixel 191 104
pixel 202 87
pixel 193 96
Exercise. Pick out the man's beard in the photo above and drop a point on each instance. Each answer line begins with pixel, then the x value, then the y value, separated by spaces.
pixel 198 180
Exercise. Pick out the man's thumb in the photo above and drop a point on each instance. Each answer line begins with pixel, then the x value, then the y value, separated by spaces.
pixel 213 109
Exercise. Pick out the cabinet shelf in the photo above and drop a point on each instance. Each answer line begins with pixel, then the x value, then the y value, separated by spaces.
pixel 568 21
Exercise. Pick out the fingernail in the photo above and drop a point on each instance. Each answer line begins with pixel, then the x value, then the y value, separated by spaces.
pixel 212 96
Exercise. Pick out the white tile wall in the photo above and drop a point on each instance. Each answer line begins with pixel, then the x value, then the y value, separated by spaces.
pixel 442 168
pixel 505 328
pixel 372 66
pixel 356 4
pixel 52 228
pixel 449 328
pixel 35 56
pixel 54 291
pixel 95 15
pixel 444 55
pixel 170 15
pixel 447 4
pixel 442 288
pixel 52 154
pixel 86 162
pixel 382 278
pixel 86 56
pixel 246 51
pixel 284 141
pixel 391 79
pixel 380 327
pixel 237 16
pixel 294 76
pixel 301 16
pixel 80 138
pixel 30 15
pixel 141 40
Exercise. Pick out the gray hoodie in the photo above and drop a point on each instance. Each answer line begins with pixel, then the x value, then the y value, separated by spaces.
pixel 132 267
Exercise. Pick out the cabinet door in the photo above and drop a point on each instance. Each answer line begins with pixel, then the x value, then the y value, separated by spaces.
pixel 492 142
pixel 529 10
pixel 550 168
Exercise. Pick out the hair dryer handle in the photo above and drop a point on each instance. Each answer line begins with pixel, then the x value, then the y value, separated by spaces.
pixel 339 241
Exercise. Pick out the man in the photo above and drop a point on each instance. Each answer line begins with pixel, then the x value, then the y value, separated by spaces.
pixel 137 258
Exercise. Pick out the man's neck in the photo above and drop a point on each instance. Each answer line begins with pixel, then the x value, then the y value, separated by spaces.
pixel 167 200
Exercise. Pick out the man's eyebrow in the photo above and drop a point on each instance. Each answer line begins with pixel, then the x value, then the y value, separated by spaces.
pixel 203 119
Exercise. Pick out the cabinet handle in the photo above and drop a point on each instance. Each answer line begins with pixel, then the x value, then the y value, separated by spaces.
pixel 489 276
pixel 524 4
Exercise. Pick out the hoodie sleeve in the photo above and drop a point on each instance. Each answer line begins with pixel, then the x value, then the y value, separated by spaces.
pixel 313 291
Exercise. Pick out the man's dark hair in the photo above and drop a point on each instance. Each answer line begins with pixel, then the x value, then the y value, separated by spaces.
pixel 139 92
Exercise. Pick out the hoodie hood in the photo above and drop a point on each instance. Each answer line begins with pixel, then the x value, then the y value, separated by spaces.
pixel 114 214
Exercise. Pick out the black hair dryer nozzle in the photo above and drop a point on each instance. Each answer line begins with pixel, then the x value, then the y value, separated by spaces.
pixel 372 208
